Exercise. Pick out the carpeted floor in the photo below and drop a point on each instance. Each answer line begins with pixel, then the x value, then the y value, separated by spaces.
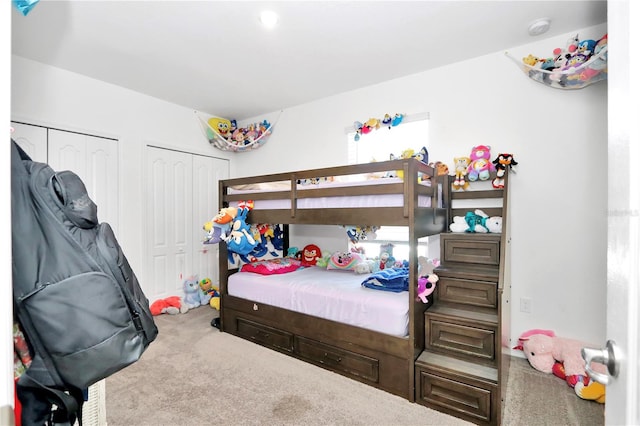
pixel 195 375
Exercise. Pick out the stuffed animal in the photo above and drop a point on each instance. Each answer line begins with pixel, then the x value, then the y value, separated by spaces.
pixel 427 279
pixel 171 305
pixel 441 168
pixel 480 164
pixel 386 256
pixel 460 165
pixel 215 299
pixel 240 240
pixel 193 295
pixel 476 221
pixel 310 255
pixel 206 286
pixel 560 356
pixel 502 162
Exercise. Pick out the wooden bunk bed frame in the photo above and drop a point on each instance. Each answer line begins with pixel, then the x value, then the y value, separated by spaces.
pixel 380 360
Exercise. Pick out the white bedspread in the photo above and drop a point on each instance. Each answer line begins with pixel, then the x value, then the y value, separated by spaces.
pixel 330 294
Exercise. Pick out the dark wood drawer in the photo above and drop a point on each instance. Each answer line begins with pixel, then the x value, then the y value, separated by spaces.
pixel 468 292
pixel 337 359
pixel 265 335
pixel 483 249
pixel 464 339
pixel 450 396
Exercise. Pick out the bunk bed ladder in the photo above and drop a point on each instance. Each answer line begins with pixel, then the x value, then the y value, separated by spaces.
pixel 463 368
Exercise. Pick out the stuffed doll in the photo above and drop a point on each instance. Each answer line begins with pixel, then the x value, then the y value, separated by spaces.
pixel 460 165
pixel 561 356
pixel 502 163
pixel 310 255
pixel 193 295
pixel 240 240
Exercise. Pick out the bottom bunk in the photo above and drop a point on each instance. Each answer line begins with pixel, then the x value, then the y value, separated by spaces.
pixel 329 319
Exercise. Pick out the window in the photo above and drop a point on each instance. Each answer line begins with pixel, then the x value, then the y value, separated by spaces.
pixel 378 145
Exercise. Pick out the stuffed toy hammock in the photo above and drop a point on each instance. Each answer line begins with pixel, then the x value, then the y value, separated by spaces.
pixel 226 135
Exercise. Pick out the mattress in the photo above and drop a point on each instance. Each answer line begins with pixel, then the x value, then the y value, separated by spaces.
pixel 330 294
pixel 356 201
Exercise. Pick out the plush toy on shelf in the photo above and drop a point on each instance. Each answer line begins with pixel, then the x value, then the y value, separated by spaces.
pixel 477 221
pixel 560 356
pixel 480 164
pixel 502 162
pixel 460 165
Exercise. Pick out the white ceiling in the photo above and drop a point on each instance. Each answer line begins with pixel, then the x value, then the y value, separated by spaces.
pixel 214 56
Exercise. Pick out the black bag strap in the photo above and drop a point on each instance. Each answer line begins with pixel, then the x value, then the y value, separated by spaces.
pixel 37 400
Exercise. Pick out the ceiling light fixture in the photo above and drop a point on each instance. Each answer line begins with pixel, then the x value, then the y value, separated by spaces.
pixel 269 19
pixel 539 26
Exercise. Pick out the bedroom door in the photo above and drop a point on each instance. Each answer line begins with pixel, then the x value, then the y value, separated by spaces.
pixel 623 252
pixel 183 194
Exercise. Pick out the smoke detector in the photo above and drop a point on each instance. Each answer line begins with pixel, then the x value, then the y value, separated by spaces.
pixel 539 26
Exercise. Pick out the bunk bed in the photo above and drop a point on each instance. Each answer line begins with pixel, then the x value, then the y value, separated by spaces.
pixel 359 349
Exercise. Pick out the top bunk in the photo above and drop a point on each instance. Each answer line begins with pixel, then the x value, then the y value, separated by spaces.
pixel 405 192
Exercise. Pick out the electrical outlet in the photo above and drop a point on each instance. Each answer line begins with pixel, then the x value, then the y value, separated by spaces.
pixel 525 305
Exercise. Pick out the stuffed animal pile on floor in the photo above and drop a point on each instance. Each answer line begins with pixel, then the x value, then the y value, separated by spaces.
pixel 549 353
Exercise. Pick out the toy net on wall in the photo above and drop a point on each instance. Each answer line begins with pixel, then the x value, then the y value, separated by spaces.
pixel 225 134
pixel 580 64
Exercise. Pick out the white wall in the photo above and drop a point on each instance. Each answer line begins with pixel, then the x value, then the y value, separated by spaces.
pixel 50 96
pixel 558 196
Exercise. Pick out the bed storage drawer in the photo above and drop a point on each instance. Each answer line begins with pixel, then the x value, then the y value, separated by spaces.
pixel 468 340
pixel 465 400
pixel 336 359
pixel 468 292
pixel 483 249
pixel 265 335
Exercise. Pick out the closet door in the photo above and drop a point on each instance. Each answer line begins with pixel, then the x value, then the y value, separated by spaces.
pixel 95 160
pixel 170 226
pixel 182 195
pixel 32 139
pixel 207 172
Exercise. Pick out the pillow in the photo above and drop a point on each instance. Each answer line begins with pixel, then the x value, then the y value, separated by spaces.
pixel 272 266
pixel 345 261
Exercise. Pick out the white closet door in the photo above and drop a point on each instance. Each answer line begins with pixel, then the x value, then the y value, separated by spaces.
pixel 32 139
pixel 170 226
pixel 95 160
pixel 207 172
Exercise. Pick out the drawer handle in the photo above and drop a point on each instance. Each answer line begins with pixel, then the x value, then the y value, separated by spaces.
pixel 330 358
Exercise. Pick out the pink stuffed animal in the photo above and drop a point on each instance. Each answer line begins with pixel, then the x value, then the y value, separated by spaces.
pixel 549 353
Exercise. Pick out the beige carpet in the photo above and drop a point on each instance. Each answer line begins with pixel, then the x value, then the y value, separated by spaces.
pixel 195 375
